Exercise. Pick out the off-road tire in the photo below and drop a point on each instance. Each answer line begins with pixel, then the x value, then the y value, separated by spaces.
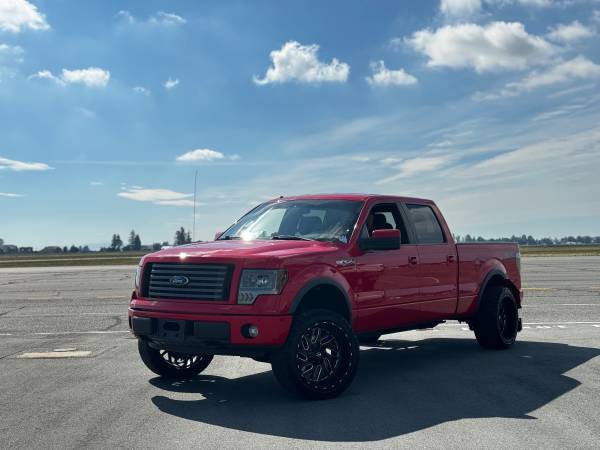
pixel 497 321
pixel 325 340
pixel 170 365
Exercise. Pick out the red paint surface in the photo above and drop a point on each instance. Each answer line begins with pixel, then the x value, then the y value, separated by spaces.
pixel 387 289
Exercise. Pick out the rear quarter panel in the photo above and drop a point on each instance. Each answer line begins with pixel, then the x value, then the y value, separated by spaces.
pixel 476 262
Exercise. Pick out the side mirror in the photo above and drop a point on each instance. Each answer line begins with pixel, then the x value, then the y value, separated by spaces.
pixel 218 235
pixel 382 240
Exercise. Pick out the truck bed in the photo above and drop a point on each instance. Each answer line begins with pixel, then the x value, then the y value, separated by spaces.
pixel 479 260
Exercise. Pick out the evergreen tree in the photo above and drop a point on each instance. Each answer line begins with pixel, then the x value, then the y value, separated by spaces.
pixel 182 237
pixel 131 240
pixel 137 242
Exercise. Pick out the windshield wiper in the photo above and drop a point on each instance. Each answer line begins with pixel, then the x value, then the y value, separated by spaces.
pixel 229 238
pixel 289 237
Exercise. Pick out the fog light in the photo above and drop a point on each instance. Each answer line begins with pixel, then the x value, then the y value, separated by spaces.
pixel 253 331
pixel 250 331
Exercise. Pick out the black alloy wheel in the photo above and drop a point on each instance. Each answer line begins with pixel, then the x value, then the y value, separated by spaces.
pixel 172 365
pixel 497 321
pixel 320 357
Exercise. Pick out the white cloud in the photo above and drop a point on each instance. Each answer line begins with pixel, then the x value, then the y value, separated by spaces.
pixel 300 63
pixel 164 197
pixel 161 18
pixel 88 113
pixel 11 52
pixel 141 90
pixel 126 16
pixel 18 14
pixel 460 8
pixel 96 183
pixel 202 154
pixel 578 68
pixel 165 18
pixel 19 166
pixel 47 75
pixel 10 195
pixel 390 160
pixel 382 76
pixel 92 76
pixel 171 83
pixel 360 158
pixel 571 32
pixel 418 165
pixel 497 45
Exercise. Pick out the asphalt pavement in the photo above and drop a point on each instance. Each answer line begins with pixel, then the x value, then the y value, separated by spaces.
pixel 70 377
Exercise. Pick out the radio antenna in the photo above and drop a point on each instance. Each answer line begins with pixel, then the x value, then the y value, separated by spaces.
pixel 194 219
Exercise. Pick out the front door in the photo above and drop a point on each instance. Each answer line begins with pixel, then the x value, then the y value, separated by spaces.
pixel 385 280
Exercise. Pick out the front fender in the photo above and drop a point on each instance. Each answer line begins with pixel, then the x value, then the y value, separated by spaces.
pixel 318 274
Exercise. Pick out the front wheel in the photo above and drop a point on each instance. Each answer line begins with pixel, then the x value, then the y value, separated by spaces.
pixel 320 357
pixel 172 365
pixel 497 321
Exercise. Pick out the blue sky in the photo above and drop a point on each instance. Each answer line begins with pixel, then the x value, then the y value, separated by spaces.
pixel 489 107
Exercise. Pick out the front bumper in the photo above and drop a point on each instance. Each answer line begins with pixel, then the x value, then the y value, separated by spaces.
pixel 209 334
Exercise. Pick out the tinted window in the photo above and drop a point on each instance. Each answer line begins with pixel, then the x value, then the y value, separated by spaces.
pixel 384 216
pixel 426 225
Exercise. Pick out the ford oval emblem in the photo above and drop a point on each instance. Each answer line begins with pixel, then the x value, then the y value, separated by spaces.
pixel 179 281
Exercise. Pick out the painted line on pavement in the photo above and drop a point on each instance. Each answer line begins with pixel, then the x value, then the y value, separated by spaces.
pixel 560 304
pixel 55 355
pixel 19 316
pixel 79 332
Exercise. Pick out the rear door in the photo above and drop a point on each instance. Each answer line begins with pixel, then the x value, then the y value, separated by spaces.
pixel 438 265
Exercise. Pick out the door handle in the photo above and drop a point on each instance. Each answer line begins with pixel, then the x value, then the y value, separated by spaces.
pixel 450 258
pixel 412 260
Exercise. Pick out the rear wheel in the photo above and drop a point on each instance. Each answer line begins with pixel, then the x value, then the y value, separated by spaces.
pixel 320 357
pixel 497 320
pixel 172 365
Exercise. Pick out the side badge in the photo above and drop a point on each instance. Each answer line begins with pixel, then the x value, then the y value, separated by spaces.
pixel 344 262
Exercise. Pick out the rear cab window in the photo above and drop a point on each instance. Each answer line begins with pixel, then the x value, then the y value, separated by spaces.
pixel 426 225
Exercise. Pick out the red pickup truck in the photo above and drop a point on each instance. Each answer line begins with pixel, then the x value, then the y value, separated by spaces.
pixel 301 281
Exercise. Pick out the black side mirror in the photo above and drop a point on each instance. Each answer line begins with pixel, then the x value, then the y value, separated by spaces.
pixel 382 240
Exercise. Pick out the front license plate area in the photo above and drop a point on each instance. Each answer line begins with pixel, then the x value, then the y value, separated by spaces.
pixel 174 330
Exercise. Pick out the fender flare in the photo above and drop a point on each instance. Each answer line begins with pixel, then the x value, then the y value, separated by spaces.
pixel 320 282
pixel 484 284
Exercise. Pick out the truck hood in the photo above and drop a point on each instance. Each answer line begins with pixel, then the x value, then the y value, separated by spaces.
pixel 238 249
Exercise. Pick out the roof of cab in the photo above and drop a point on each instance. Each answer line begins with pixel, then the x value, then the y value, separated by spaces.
pixel 355 197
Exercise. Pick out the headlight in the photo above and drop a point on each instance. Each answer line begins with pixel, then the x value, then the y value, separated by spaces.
pixel 138 276
pixel 255 282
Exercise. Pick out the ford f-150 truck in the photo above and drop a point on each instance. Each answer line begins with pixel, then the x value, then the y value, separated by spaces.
pixel 300 282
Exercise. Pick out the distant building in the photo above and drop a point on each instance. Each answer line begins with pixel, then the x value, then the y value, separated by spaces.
pixel 25 249
pixel 6 249
pixel 51 249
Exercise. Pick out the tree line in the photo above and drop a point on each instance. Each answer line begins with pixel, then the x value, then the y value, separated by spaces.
pixel 530 240
pixel 134 242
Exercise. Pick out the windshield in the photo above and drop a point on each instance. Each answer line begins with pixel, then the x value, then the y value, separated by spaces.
pixel 319 220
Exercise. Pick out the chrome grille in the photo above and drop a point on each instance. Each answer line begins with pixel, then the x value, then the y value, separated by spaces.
pixel 205 281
